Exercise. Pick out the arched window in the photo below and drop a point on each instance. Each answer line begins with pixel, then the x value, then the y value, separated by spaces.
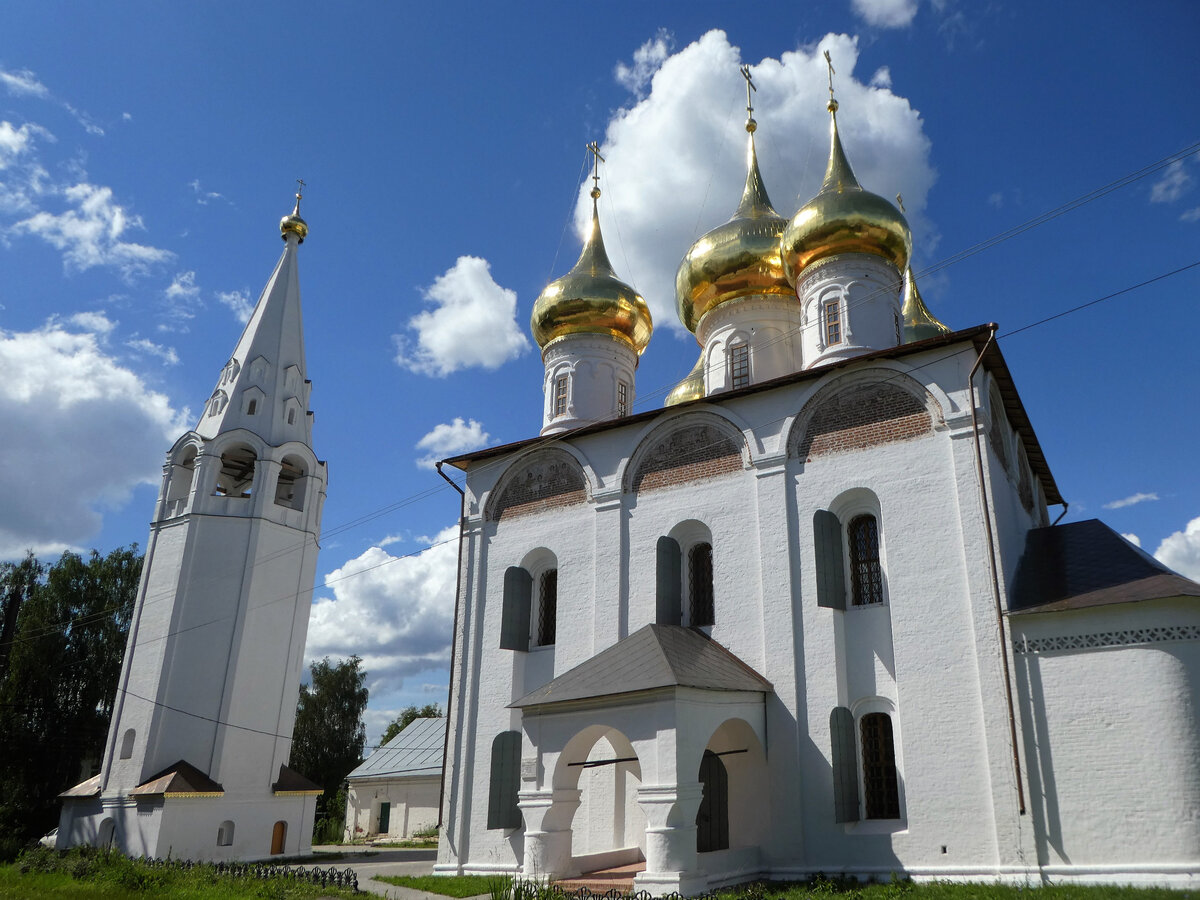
pixel 700 584
pixel 127 743
pixel 225 834
pixel 560 396
pixel 236 478
pixel 547 606
pixel 289 489
pixel 866 577
pixel 739 366
pixel 881 792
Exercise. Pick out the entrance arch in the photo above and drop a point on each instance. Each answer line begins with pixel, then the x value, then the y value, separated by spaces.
pixel 733 771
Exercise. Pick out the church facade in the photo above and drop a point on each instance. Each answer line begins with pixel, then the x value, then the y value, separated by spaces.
pixel 195 765
pixel 812 615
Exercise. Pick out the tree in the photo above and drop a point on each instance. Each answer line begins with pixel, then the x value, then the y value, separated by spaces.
pixel 329 736
pixel 406 717
pixel 57 693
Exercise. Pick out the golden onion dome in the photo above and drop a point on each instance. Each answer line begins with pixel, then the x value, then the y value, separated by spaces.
pixel 293 224
pixel 737 259
pixel 919 322
pixel 590 299
pixel 692 386
pixel 843 218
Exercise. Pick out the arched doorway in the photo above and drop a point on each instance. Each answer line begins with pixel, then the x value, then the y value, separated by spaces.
pixel 712 819
pixel 106 833
pixel 735 806
pixel 278 838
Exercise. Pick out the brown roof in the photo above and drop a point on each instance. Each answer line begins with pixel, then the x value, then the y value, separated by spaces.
pixel 292 782
pixel 655 656
pixel 993 361
pixel 180 778
pixel 1086 564
pixel 89 788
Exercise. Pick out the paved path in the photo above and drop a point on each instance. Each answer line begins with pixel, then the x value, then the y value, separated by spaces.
pixel 368 862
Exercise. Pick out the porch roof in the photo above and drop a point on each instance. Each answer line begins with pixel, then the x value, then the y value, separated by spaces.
pixel 655 656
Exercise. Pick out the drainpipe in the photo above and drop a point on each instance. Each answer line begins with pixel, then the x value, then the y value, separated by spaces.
pixel 462 527
pixel 991 543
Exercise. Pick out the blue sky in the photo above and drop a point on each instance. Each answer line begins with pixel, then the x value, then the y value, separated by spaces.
pixel 148 150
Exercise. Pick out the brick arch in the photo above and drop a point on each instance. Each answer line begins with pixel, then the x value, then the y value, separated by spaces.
pixel 546 479
pixel 855 415
pixel 689 448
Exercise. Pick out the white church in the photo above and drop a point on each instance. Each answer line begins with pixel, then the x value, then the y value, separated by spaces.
pixel 195 766
pixel 812 616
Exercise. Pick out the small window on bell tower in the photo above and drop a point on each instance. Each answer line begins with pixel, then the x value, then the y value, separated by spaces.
pixel 833 322
pixel 560 396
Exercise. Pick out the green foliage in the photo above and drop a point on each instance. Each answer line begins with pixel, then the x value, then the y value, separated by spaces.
pixel 450 886
pixel 426 833
pixel 328 740
pixel 406 718
pixel 62 639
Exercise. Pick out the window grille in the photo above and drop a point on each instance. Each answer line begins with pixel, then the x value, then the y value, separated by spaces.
pixel 622 399
pixel 833 322
pixel 560 395
pixel 547 607
pixel 700 570
pixel 880 786
pixel 866 577
pixel 739 366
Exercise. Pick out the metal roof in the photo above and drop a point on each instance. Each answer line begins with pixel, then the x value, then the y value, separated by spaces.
pixel 1087 564
pixel 417 750
pixel 655 656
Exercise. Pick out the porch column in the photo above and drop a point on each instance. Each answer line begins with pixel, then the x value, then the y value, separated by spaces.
pixel 548 816
pixel 671 859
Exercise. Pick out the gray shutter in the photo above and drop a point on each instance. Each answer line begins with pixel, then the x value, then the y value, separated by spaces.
pixel 503 811
pixel 845 765
pixel 831 572
pixel 518 596
pixel 669 586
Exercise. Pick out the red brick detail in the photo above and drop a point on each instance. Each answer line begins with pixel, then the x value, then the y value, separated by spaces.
pixel 689 454
pixel 862 417
pixel 540 485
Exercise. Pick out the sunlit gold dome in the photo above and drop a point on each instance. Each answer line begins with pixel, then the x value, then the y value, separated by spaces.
pixel 692 386
pixel 590 299
pixel 293 224
pixel 737 259
pixel 843 218
pixel 919 322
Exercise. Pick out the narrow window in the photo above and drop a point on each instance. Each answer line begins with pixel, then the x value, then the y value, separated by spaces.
pixel 291 417
pixel 560 396
pixel 622 399
pixel 547 607
pixel 866 577
pixel 833 322
pixel 739 366
pixel 252 407
pixel 880 788
pixel 503 811
pixel 700 576
pixel 896 318
pixel 225 834
pixel 127 744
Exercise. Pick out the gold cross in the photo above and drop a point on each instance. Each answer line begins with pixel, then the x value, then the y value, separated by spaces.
pixel 829 63
pixel 750 86
pixel 300 186
pixel 594 149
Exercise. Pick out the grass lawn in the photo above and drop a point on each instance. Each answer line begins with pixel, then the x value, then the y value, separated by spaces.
pixel 448 886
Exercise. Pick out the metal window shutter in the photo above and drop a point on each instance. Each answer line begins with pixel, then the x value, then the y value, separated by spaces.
pixel 669 584
pixel 831 572
pixel 514 623
pixel 503 811
pixel 845 765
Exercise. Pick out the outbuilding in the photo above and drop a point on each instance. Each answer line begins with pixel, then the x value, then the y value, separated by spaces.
pixel 394 793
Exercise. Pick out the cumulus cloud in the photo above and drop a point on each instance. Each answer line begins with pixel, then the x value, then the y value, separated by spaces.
pixel 396 612
pixel 635 76
pixel 239 304
pixel 1175 182
pixel 1131 500
pixel 675 165
pixel 448 439
pixel 64 401
pixel 882 78
pixel 1133 539
pixel 885 13
pixel 472 323
pixel 1181 551
pixel 96 322
pixel 91 232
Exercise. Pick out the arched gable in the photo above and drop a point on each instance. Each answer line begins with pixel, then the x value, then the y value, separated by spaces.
pixel 545 479
pixel 685 448
pixel 863 410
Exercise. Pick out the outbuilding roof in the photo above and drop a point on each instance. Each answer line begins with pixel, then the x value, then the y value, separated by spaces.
pixel 654 656
pixel 1085 564
pixel 179 780
pixel 417 750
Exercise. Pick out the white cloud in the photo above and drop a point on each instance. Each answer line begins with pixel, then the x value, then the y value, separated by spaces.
pixel 23 83
pixel 646 61
pixel 167 354
pixel 91 232
pixel 182 286
pixel 96 322
pixel 996 199
pixel 1133 539
pixel 15 142
pixel 1131 500
pixel 885 13
pixel 448 439
pixel 1175 182
pixel 182 299
pixel 1191 215
pixel 239 304
pixel 1181 551
pixel 64 402
pixel 882 78
pixel 203 197
pixel 472 323
pixel 675 165
pixel 394 612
